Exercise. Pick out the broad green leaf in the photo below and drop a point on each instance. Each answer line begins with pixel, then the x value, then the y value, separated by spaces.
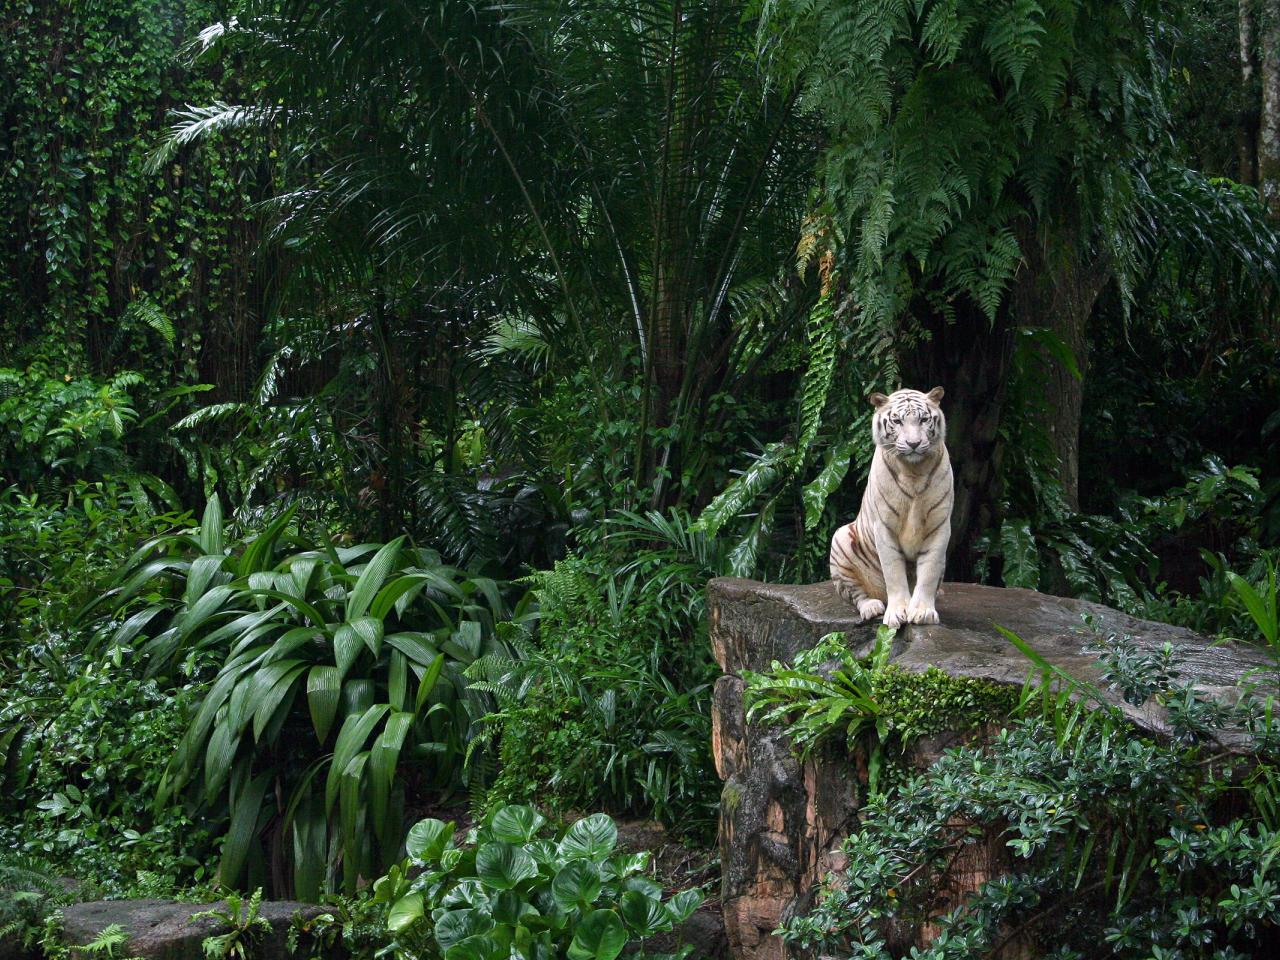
pixel 309 831
pixel 1261 609
pixel 323 686
pixel 304 608
pixel 576 885
pixel 257 555
pixel 290 641
pixel 428 682
pixel 206 606
pixel 279 694
pixel 428 839
pixel 600 936
pixel 369 630
pixel 593 837
pixel 347 644
pixel 383 758
pixel 682 905
pixel 516 823
pixel 415 646
pixel 815 493
pixel 645 916
pixel 1021 558
pixel 135 624
pixel 246 806
pixel 482 946
pixel 204 571
pixel 355 844
pixel 455 926
pixel 211 540
pixel 398 680
pixel 405 912
pixel 501 866
pixel 351 739
pixel 371 579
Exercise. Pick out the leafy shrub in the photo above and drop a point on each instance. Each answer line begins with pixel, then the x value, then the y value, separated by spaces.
pixel 84 738
pixel 1119 844
pixel 28 893
pixel 604 705
pixel 510 891
pixel 56 551
pixel 84 742
pixel 1114 559
pixel 340 682
pixel 63 423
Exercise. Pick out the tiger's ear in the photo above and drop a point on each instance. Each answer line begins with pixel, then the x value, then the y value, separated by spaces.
pixel 935 394
pixel 878 400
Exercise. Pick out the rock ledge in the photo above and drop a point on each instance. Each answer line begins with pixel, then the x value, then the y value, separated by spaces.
pixel 780 818
pixel 166 930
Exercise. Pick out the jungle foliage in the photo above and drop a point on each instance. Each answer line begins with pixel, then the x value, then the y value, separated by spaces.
pixel 380 383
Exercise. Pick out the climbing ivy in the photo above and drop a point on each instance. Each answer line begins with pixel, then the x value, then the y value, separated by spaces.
pixel 105 266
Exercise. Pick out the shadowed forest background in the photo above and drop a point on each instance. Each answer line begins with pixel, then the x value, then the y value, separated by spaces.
pixel 381 382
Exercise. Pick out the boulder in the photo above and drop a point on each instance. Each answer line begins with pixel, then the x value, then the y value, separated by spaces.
pixel 781 819
pixel 168 930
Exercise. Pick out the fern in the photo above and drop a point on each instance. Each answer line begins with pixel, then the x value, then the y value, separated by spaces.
pixel 743 491
pixel 106 941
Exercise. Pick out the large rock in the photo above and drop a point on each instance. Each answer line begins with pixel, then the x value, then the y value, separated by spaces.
pixel 167 930
pixel 780 819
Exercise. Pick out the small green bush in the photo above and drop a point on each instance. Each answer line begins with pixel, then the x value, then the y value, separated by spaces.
pixel 512 891
pixel 606 704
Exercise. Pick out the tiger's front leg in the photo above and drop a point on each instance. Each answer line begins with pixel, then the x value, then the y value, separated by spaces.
pixel 929 566
pixel 893 564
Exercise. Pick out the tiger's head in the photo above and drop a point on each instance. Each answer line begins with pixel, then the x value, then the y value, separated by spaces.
pixel 909 424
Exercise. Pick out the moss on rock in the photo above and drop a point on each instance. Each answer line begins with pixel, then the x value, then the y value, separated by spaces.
pixel 925 704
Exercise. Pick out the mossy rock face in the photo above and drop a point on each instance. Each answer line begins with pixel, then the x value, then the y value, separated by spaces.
pixel 781 817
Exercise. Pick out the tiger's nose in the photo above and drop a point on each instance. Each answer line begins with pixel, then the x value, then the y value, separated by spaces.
pixel 913 444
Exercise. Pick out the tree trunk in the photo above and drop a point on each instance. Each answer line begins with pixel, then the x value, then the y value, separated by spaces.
pixel 1247 127
pixel 1056 290
pixel 970 358
pixel 1269 127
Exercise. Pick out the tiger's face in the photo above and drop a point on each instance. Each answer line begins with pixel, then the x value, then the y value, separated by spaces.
pixel 909 424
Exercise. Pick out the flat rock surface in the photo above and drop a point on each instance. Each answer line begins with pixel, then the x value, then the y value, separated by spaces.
pixel 755 623
pixel 166 930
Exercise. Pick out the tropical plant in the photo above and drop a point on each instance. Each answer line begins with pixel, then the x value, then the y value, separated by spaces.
pixel 245 927
pixel 513 891
pixel 1263 604
pixel 109 942
pixel 646 218
pixel 831 697
pixel 813 704
pixel 603 701
pixel 28 893
pixel 107 268
pixel 355 650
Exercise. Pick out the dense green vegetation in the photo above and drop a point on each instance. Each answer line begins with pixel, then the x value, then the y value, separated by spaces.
pixel 380 383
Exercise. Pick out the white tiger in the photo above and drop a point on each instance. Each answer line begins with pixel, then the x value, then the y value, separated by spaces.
pixel 905 518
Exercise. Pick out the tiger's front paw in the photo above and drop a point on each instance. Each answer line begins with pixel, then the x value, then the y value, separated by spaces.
pixel 870 609
pixel 895 615
pixel 922 613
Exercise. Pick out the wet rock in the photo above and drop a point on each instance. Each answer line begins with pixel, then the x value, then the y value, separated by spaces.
pixel 168 930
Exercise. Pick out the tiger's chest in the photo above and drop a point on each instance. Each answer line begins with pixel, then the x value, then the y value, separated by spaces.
pixel 913 507
pixel 914 528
